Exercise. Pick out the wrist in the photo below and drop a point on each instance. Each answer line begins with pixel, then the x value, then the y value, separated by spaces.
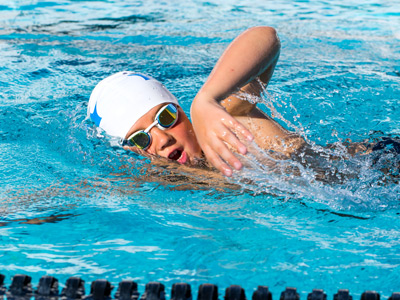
pixel 201 102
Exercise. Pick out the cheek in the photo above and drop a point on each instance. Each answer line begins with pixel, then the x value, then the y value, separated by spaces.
pixel 185 135
pixel 138 151
pixel 191 142
pixel 181 133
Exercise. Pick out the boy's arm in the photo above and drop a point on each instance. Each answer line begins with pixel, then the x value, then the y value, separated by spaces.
pixel 252 54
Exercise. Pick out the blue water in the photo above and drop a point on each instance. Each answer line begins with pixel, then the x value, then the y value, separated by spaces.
pixel 74 204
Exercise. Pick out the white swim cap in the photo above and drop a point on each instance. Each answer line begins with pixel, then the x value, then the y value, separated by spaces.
pixel 118 101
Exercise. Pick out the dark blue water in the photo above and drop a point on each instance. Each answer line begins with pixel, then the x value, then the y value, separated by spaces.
pixel 73 203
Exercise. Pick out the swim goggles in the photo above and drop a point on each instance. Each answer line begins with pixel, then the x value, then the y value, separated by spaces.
pixel 166 117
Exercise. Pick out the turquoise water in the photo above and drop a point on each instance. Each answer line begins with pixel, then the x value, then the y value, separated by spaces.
pixel 73 203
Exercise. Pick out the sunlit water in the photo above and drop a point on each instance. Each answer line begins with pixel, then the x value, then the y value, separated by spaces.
pixel 74 203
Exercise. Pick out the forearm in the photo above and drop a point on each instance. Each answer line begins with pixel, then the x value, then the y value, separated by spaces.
pixel 252 54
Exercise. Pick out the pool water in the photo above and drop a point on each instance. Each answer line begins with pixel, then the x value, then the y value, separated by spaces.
pixel 73 203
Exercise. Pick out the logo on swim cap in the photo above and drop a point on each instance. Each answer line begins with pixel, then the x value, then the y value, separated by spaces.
pixel 140 75
pixel 123 98
pixel 95 116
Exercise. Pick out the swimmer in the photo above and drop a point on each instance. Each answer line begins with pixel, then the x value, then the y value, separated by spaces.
pixel 148 119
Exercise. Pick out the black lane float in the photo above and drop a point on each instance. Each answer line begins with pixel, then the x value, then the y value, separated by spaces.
pixel 47 289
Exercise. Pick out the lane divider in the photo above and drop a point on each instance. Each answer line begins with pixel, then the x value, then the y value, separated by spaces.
pixel 100 289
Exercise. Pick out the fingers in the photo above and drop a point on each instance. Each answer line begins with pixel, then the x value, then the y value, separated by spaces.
pixel 231 139
pixel 217 135
pixel 235 125
pixel 220 156
pixel 218 163
pixel 218 153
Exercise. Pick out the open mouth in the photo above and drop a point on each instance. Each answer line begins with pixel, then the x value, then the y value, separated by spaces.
pixel 175 155
pixel 179 155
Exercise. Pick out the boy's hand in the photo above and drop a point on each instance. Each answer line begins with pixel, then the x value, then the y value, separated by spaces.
pixel 214 129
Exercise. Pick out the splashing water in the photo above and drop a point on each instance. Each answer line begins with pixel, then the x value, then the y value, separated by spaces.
pixel 326 175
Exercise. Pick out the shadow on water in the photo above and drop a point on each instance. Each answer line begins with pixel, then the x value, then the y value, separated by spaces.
pixel 40 220
pixel 87 26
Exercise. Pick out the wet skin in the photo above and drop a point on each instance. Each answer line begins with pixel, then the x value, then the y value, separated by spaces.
pixel 178 143
pixel 240 67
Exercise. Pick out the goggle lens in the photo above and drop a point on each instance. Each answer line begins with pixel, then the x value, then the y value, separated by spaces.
pixel 141 140
pixel 168 116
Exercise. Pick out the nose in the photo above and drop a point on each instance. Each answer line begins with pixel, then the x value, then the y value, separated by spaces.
pixel 161 139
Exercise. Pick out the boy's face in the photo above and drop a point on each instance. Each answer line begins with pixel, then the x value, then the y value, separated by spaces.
pixel 177 143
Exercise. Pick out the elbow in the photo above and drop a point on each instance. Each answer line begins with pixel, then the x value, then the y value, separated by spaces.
pixel 264 30
pixel 268 36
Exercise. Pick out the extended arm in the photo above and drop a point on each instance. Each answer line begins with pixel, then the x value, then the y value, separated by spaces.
pixel 252 54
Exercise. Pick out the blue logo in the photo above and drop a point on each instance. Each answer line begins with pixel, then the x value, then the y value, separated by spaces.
pixel 140 75
pixel 95 116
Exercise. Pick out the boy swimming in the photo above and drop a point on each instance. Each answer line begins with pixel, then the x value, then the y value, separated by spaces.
pixel 147 117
